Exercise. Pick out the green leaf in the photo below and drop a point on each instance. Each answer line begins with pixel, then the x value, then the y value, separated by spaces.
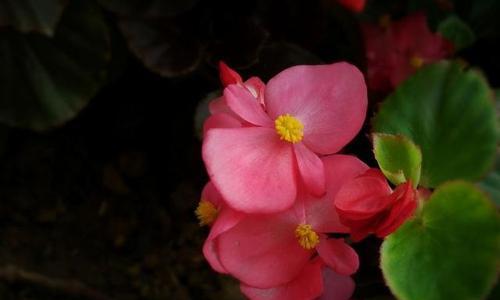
pixel 45 82
pixel 28 16
pixel 449 251
pixel 449 113
pixel 491 183
pixel 398 158
pixel 458 32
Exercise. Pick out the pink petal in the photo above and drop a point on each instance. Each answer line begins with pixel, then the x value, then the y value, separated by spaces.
pixel 262 251
pixel 321 213
pixel 226 220
pixel 365 194
pixel 220 120
pixel 251 167
pixel 307 285
pixel 218 105
pixel 211 194
pixel 338 255
pixel 227 75
pixel 242 103
pixel 330 101
pixel 256 87
pixel 311 169
pixel 336 286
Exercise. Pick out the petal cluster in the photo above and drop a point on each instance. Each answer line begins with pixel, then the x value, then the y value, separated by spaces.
pixel 263 141
pixel 396 49
pixel 367 204
pixel 275 180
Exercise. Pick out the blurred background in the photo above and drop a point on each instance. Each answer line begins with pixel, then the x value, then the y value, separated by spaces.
pixel 101 104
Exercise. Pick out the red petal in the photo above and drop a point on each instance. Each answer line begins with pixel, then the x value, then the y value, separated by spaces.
pixel 227 75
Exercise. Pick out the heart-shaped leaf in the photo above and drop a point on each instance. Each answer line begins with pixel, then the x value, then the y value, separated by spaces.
pixel 449 251
pixel 449 113
pixel 46 81
pixel 27 16
pixel 458 32
pixel 398 157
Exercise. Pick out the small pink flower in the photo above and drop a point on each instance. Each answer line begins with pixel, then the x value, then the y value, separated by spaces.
pixel 258 160
pixel 315 281
pixel 396 49
pixel 269 250
pixel 353 5
pixel 367 204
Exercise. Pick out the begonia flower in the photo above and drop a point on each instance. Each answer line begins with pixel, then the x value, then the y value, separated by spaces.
pixel 315 281
pixel 269 250
pixel 213 211
pixel 353 5
pixel 308 111
pixel 396 49
pixel 221 114
pixel 367 204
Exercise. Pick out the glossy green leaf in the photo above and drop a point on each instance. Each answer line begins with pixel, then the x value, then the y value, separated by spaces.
pixel 449 113
pixel 398 157
pixel 449 251
pixel 45 81
pixel 27 15
pixel 456 31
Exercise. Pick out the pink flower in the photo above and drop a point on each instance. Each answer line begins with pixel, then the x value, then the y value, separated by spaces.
pixel 258 160
pixel 315 281
pixel 367 204
pixel 353 5
pixel 270 250
pixel 396 49
pixel 221 114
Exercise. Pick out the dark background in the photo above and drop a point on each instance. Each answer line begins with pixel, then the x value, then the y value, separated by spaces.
pixel 105 202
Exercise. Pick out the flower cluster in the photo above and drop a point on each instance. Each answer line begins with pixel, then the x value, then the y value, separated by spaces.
pixel 396 49
pixel 281 201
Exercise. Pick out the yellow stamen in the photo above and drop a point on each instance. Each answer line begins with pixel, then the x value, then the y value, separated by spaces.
pixel 384 21
pixel 308 239
pixel 416 62
pixel 206 212
pixel 289 128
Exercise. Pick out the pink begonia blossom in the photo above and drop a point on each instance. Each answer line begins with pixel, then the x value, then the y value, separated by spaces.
pixel 269 250
pixel 396 49
pixel 367 204
pixel 315 281
pixel 353 5
pixel 261 150
pixel 221 114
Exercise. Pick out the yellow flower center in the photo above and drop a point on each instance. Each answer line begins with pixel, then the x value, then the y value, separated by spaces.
pixel 416 62
pixel 308 239
pixel 289 128
pixel 206 212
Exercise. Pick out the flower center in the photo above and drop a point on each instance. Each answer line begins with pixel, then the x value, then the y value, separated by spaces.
pixel 206 212
pixel 416 62
pixel 289 128
pixel 306 236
